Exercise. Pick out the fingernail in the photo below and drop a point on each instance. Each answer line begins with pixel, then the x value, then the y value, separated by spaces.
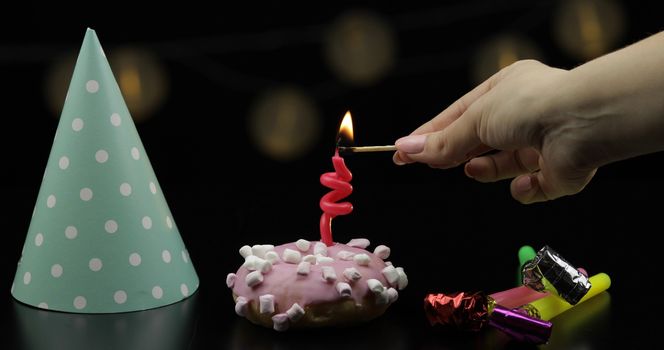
pixel 411 144
pixel 524 184
pixel 397 160
pixel 468 171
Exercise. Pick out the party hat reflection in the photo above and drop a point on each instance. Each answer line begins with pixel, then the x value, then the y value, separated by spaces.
pixel 167 328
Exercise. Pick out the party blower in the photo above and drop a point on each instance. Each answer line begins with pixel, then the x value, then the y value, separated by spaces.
pixel 551 272
pixel 474 311
pixel 552 286
pixel 527 323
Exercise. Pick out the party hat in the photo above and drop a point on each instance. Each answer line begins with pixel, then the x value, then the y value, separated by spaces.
pixel 102 238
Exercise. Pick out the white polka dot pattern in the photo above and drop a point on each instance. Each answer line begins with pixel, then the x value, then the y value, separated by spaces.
pixel 101 235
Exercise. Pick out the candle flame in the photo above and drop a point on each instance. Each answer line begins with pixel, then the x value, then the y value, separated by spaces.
pixel 345 136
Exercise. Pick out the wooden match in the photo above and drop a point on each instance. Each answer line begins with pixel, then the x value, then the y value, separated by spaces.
pixel 368 149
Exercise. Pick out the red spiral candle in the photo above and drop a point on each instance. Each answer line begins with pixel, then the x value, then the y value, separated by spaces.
pixel 339 182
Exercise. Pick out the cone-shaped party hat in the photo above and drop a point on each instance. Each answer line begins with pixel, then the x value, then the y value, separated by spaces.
pixel 102 238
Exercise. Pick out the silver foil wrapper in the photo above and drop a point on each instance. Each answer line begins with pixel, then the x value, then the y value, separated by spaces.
pixel 569 283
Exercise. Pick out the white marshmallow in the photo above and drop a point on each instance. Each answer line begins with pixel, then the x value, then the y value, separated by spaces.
pixel 375 286
pixel 382 251
pixel 344 289
pixel 393 294
pixel 291 256
pixel 382 298
pixel 352 274
pixel 391 275
pixel 329 274
pixel 265 266
pixel 252 262
pixel 303 268
pixel 230 280
pixel 324 260
pixel 362 259
pixel 310 259
pixel 403 279
pixel 254 278
pixel 260 249
pixel 320 248
pixel 303 245
pixel 358 243
pixel 245 251
pixel 345 255
pixel 241 306
pixel 388 263
pixel 295 312
pixel 272 257
pixel 266 305
pixel 280 322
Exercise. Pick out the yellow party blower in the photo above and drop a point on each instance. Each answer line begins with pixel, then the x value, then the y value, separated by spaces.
pixel 552 305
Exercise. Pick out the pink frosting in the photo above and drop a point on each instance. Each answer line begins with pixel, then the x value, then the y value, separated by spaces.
pixel 288 287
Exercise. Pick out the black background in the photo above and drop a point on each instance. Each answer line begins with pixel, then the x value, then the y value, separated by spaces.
pixel 449 232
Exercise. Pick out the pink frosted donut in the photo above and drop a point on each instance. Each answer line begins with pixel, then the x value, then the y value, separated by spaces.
pixel 307 284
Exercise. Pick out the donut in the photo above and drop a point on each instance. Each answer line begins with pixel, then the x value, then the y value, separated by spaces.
pixel 308 284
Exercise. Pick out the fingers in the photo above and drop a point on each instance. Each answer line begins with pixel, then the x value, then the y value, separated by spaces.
pixel 525 189
pixel 449 115
pixel 529 185
pixel 543 186
pixel 445 148
pixel 479 150
pixel 400 158
pixel 503 165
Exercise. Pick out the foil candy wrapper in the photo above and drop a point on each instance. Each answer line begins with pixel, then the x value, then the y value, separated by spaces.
pixel 473 311
pixel 569 283
pixel 519 326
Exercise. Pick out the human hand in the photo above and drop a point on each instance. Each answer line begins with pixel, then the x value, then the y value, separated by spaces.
pixel 517 113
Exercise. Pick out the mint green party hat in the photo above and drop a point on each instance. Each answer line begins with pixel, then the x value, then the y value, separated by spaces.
pixel 102 238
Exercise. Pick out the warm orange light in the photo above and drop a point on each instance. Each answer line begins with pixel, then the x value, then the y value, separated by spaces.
pixel 346 130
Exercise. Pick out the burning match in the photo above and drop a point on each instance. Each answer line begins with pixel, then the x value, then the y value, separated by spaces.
pixel 368 149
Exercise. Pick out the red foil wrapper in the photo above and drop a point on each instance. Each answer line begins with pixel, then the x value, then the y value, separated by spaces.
pixel 463 310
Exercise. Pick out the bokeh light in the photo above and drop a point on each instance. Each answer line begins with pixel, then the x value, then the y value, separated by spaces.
pixel 500 52
pixel 142 80
pixel 360 47
pixel 284 124
pixel 57 82
pixel 585 29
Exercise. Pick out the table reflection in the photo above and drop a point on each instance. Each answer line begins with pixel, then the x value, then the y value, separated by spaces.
pixel 582 327
pixel 382 333
pixel 167 328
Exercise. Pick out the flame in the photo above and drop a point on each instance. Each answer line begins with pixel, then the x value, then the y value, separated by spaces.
pixel 346 130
